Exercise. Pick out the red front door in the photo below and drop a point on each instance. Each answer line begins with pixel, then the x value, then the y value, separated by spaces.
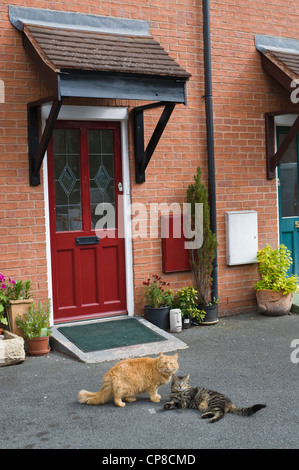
pixel 88 259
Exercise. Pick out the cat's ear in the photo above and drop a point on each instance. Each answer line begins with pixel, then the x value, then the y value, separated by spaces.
pixel 175 356
pixel 161 354
pixel 187 376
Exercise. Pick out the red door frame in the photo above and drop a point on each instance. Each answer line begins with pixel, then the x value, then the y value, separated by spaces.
pixel 111 292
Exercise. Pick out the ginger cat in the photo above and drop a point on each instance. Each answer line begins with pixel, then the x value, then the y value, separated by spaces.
pixel 130 377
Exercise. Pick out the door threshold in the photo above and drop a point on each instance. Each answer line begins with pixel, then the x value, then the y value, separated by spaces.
pixel 91 320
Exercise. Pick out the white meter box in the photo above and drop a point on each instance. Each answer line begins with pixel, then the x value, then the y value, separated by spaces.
pixel 241 237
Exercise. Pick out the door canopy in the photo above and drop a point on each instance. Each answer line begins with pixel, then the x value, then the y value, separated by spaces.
pixel 280 58
pixel 91 56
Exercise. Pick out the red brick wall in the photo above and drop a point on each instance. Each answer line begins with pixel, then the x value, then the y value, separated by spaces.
pixel 22 221
pixel 242 93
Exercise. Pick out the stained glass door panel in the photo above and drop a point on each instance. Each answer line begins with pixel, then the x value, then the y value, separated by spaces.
pixel 101 171
pixel 67 179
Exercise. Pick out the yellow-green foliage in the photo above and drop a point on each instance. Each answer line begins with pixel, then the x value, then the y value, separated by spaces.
pixel 273 267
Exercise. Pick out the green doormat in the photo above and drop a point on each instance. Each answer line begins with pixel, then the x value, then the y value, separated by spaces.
pixel 109 334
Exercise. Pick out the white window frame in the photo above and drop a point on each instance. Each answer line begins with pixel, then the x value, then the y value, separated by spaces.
pixel 96 113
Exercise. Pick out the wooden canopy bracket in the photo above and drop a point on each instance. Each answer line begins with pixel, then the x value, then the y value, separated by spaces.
pixel 143 156
pixel 37 148
pixel 273 158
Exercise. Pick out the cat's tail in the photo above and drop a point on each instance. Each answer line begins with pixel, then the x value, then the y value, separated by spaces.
pixel 246 411
pixel 97 398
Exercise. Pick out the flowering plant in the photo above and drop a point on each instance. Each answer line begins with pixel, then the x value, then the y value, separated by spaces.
pixel 157 293
pixel 186 300
pixel 35 320
pixel 18 290
pixel 3 300
pixel 12 290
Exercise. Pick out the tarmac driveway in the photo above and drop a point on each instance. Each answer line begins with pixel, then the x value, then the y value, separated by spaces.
pixel 248 357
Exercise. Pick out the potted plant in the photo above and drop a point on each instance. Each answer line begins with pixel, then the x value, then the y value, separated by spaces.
pixel 274 291
pixel 202 258
pixel 14 300
pixel 186 300
pixel 35 327
pixel 158 299
pixel 3 300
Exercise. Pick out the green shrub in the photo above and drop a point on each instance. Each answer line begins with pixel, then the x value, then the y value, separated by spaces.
pixel 186 300
pixel 201 259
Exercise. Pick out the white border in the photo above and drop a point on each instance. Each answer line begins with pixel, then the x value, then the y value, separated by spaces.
pixel 96 113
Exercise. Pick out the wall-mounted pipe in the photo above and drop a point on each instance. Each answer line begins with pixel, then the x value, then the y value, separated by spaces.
pixel 210 131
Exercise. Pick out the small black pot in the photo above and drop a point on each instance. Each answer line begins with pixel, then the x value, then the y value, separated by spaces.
pixel 158 316
pixel 186 323
pixel 211 316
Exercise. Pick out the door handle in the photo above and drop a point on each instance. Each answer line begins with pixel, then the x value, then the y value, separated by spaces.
pixel 297 224
pixel 120 187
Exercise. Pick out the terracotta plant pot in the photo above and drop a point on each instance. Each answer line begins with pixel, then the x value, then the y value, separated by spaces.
pixel 274 304
pixel 16 308
pixel 38 346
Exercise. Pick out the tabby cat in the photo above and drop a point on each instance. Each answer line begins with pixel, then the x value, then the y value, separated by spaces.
pixel 214 405
pixel 133 376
